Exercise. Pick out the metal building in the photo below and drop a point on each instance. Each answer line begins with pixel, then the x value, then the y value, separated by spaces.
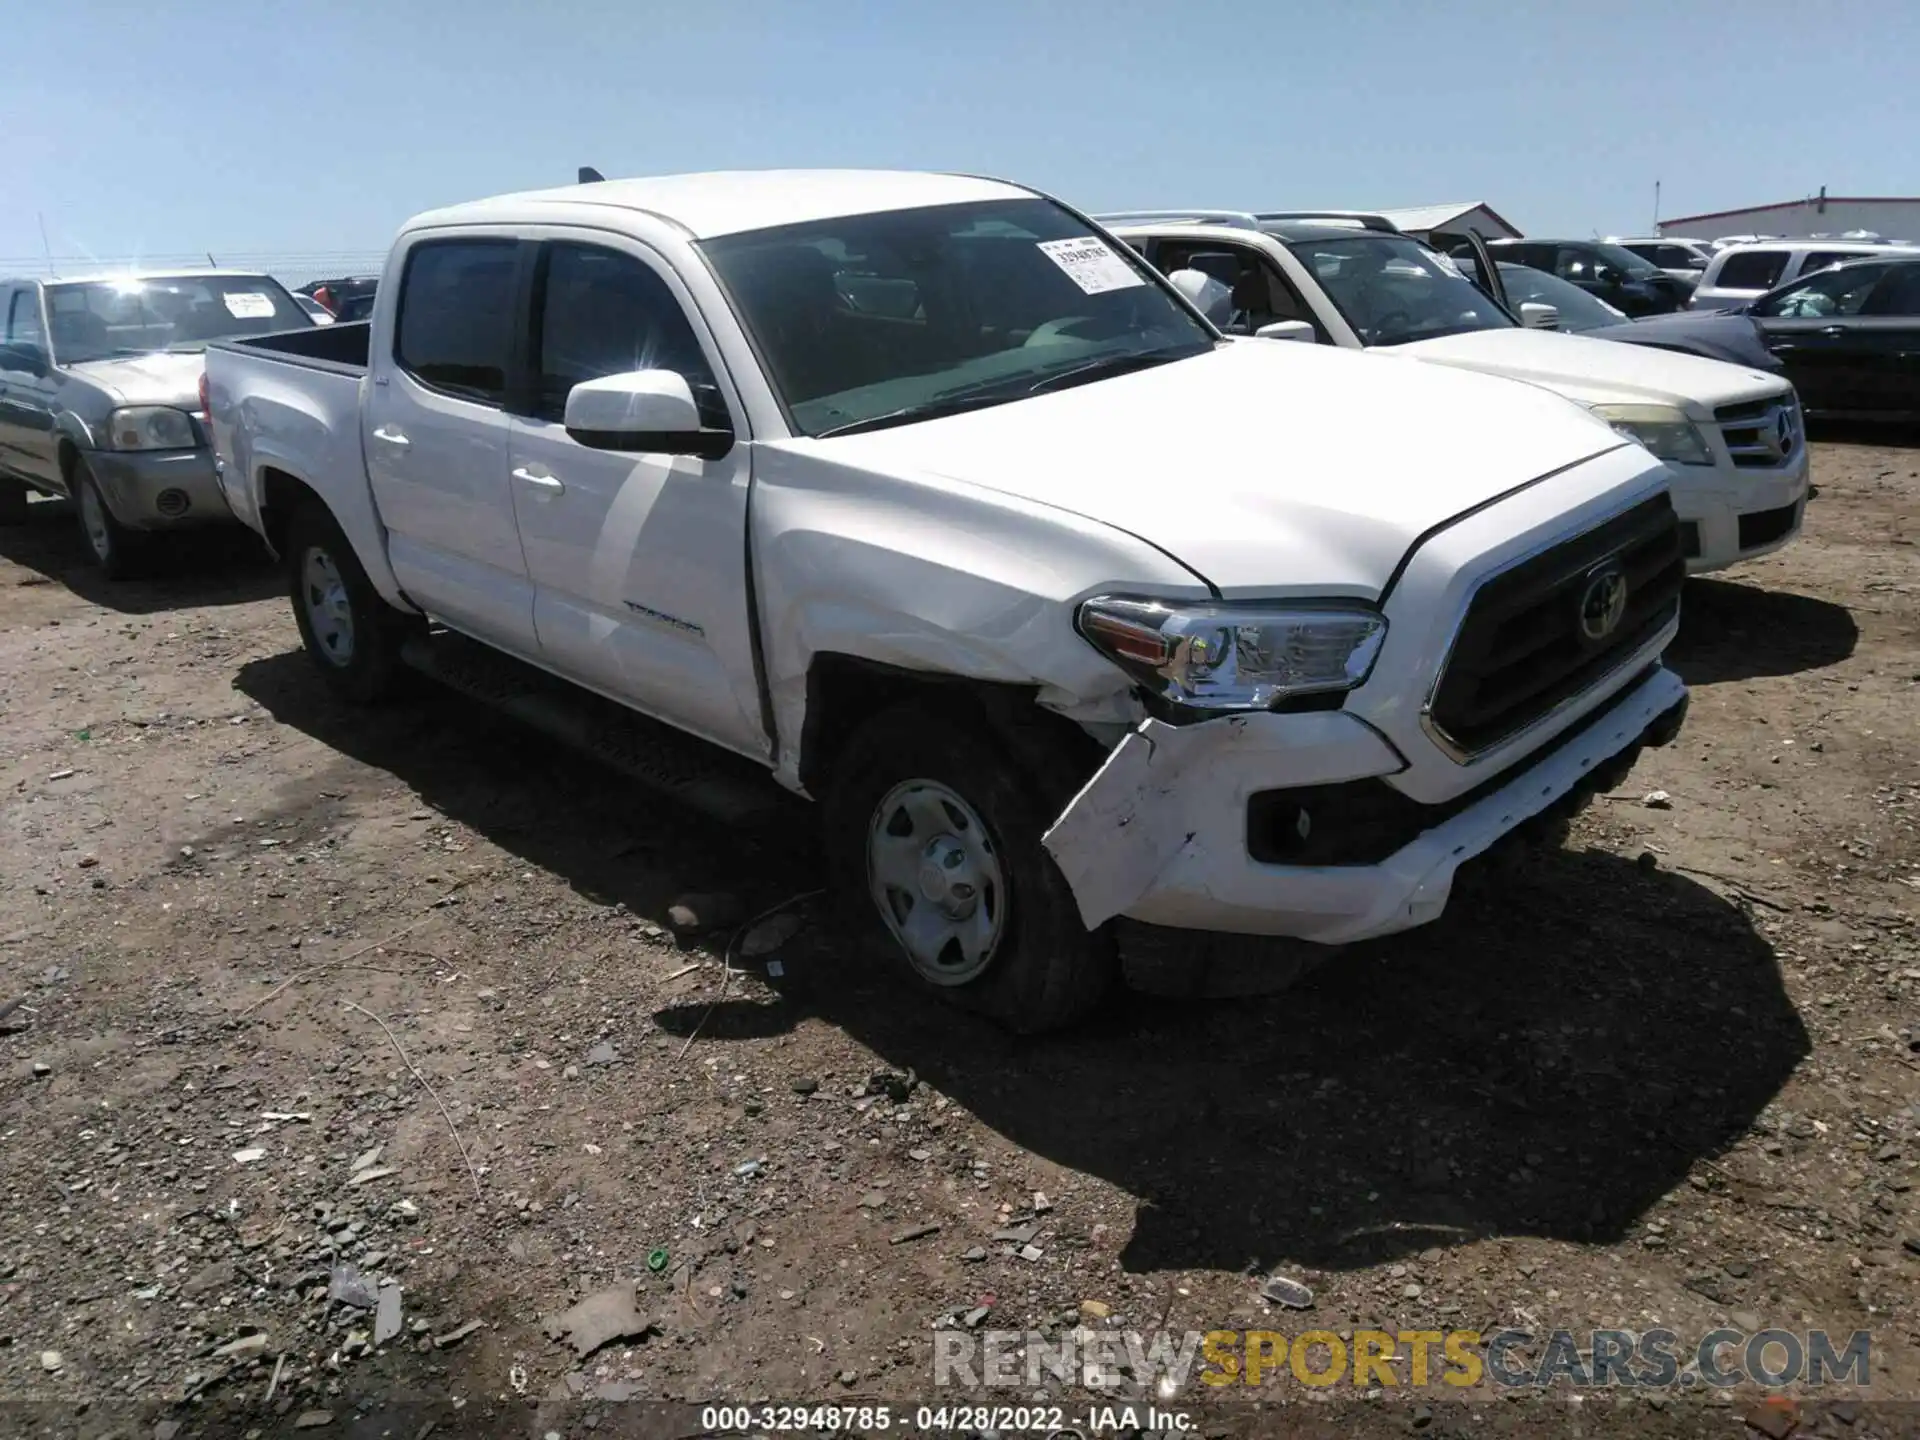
pixel 1888 217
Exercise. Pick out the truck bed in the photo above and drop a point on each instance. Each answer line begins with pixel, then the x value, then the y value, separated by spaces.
pixel 286 407
pixel 324 347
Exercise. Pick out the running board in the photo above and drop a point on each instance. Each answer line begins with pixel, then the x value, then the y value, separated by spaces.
pixel 725 787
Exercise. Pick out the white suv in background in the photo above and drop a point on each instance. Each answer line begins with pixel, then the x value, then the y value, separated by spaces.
pixel 1682 259
pixel 1743 273
pixel 1731 437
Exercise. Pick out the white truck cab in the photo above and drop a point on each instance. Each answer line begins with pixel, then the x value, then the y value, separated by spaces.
pixel 909 492
pixel 1733 439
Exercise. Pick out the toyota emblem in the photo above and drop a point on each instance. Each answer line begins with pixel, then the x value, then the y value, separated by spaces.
pixel 1603 602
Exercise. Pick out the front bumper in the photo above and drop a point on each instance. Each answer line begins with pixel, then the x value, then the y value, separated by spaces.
pixel 160 489
pixel 1728 514
pixel 1160 834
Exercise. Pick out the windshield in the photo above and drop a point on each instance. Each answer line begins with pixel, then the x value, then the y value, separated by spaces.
pixel 98 320
pixel 880 319
pixel 1578 310
pixel 1392 289
pixel 1637 267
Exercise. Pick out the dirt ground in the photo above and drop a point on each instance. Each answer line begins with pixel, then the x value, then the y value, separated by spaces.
pixel 1667 1076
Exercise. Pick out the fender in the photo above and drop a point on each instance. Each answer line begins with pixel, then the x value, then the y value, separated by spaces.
pixel 281 429
pixel 938 577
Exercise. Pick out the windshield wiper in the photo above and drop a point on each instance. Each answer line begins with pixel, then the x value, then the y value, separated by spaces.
pixel 926 410
pixel 1108 366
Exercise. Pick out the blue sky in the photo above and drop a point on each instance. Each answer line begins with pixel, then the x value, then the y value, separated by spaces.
pixel 308 132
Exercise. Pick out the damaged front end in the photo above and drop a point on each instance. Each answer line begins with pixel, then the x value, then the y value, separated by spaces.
pixel 1286 825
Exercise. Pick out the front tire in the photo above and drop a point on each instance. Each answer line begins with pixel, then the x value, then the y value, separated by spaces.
pixel 352 635
pixel 117 550
pixel 933 833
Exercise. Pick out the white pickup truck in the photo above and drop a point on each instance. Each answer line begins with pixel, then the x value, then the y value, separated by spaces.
pixel 922 495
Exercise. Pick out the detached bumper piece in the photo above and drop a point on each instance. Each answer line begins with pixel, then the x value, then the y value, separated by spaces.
pixel 1363 822
pixel 1185 826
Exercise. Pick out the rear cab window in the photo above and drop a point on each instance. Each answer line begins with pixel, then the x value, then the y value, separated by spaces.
pixel 455 328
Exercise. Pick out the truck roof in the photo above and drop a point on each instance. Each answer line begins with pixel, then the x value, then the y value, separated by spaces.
pixel 726 202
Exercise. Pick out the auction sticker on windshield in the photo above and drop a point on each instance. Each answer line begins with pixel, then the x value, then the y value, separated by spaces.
pixel 1091 264
pixel 248 305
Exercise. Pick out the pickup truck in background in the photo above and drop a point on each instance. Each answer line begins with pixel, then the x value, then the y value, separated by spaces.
pixel 100 397
pixel 914 493
pixel 1733 438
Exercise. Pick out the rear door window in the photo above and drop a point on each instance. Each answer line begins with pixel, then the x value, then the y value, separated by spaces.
pixel 1899 295
pixel 1751 270
pixel 455 332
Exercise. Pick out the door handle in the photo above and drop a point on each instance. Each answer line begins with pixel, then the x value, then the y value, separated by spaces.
pixel 550 483
pixel 387 435
pixel 1833 330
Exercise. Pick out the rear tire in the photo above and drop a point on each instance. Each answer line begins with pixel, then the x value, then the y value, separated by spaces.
pixel 13 502
pixel 117 550
pixel 352 635
pixel 933 834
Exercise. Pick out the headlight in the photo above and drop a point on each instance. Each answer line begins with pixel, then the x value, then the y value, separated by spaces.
pixel 151 427
pixel 1664 430
pixel 1234 656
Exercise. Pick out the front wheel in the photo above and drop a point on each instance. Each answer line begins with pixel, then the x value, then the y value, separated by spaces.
pixel 933 831
pixel 117 550
pixel 352 635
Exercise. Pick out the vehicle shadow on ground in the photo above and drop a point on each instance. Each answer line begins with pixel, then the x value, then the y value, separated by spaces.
pixel 1732 630
pixel 1550 1058
pixel 184 569
pixel 613 841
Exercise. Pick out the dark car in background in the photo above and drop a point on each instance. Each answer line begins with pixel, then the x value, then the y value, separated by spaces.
pixel 1849 338
pixel 348 298
pixel 1613 273
pixel 1736 339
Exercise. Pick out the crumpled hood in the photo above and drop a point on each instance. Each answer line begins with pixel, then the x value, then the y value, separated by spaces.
pixel 165 377
pixel 1734 338
pixel 1284 467
pixel 1594 372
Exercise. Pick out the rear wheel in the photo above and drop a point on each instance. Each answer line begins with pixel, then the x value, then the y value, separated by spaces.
pixel 352 635
pixel 933 831
pixel 116 549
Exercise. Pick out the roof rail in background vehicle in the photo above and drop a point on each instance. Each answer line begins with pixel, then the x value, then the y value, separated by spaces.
pixel 1363 218
pixel 1240 219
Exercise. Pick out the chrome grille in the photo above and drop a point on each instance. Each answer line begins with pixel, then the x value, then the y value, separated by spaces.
pixel 1762 434
pixel 1520 653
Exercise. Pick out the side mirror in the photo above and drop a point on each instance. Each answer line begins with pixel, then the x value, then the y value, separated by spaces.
pixel 1537 316
pixel 1286 330
pixel 642 410
pixel 1607 275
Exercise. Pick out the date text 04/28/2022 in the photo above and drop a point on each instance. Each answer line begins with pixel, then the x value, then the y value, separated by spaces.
pixel 1045 1420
